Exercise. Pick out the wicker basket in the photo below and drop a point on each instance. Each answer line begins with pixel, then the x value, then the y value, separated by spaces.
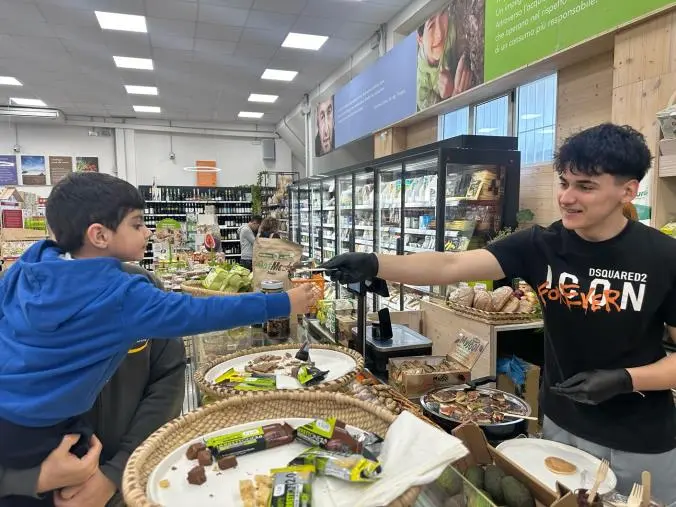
pixel 195 288
pixel 218 392
pixel 249 408
pixel 491 317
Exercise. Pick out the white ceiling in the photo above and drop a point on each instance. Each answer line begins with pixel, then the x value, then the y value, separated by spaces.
pixel 208 54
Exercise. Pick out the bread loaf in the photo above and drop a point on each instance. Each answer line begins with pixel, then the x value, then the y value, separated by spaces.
pixel 483 301
pixel 501 297
pixel 525 306
pixel 512 306
pixel 462 296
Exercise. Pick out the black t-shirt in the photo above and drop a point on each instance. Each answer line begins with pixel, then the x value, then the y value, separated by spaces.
pixel 604 305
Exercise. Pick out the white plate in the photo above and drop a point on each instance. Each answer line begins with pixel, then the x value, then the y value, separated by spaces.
pixel 530 454
pixel 337 363
pixel 222 487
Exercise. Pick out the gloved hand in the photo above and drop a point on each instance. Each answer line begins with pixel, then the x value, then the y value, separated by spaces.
pixel 596 386
pixel 352 267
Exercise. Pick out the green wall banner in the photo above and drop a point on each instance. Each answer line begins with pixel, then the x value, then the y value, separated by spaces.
pixel 520 32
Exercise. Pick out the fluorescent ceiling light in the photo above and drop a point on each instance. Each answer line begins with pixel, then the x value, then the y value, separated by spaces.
pixel 258 97
pixel 279 75
pixel 304 41
pixel 530 116
pixel 141 90
pixel 126 62
pixel 27 102
pixel 29 112
pixel 249 114
pixel 9 81
pixel 147 109
pixel 546 131
pixel 124 22
pixel 486 130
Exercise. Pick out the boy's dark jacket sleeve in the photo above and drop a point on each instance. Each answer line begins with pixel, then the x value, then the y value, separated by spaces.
pixel 145 393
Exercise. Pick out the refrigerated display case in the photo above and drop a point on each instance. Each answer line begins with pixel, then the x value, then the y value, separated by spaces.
pixel 294 214
pixel 328 218
pixel 316 221
pixel 451 196
pixel 305 238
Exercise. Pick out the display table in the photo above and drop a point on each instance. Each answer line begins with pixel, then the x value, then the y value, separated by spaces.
pixel 202 349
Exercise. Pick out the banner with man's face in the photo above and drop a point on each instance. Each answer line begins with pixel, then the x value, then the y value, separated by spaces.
pixel 324 138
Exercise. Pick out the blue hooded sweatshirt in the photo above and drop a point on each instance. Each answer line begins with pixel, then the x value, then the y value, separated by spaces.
pixel 66 325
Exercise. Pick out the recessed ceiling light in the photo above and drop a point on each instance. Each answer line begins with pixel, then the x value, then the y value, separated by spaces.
pixel 279 75
pixel 126 62
pixel 258 97
pixel 27 102
pixel 249 114
pixel 147 109
pixel 304 41
pixel 10 81
pixel 530 116
pixel 141 90
pixel 124 22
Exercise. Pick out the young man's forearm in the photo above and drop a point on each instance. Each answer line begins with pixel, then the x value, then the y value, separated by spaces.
pixel 658 376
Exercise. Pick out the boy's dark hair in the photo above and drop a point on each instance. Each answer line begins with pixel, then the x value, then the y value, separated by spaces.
pixel 620 151
pixel 257 219
pixel 83 199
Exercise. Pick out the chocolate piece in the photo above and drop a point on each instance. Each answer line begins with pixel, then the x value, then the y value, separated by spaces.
pixel 227 462
pixel 253 440
pixel 197 476
pixel 194 449
pixel 204 457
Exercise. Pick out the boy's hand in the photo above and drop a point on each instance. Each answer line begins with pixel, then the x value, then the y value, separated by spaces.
pixel 95 492
pixel 302 298
pixel 61 468
pixel 445 87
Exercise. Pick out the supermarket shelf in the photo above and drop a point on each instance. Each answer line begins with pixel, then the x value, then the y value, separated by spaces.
pixel 363 206
pixel 407 205
pixel 166 215
pixel 229 241
pixel 364 242
pixel 305 244
pixel 233 255
pixel 232 214
pixel 363 227
pixel 230 227
pixel 414 249
pixel 328 226
pixel 188 201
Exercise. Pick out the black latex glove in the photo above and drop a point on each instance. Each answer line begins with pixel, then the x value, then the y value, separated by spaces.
pixel 352 267
pixel 596 386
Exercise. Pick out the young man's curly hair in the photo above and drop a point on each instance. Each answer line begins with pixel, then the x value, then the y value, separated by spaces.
pixel 620 151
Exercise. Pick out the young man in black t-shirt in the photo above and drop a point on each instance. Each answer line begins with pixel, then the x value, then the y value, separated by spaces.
pixel 607 286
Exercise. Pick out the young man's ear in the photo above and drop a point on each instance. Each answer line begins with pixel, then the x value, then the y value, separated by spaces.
pixel 98 236
pixel 630 191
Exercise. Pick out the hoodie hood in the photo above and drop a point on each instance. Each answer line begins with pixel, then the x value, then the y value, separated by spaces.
pixel 34 287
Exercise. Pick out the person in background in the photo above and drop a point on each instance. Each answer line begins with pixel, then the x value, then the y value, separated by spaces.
pixel 269 228
pixel 145 392
pixel 607 288
pixel 247 237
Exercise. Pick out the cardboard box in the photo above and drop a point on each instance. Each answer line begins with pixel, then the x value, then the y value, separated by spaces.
pixel 481 453
pixel 463 355
pixel 529 392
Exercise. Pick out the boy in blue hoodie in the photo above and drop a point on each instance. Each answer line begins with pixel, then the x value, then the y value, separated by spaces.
pixel 69 313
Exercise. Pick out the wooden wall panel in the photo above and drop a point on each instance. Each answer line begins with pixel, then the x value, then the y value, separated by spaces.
pixel 422 133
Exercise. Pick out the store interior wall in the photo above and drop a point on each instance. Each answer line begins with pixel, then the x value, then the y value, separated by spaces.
pixel 47 140
pixel 240 160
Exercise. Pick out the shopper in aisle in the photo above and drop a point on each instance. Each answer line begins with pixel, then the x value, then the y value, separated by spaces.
pixel 269 228
pixel 247 237
pixel 69 314
pixel 607 286
pixel 145 392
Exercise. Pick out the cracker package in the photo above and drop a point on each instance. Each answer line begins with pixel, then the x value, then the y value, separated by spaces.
pixel 273 259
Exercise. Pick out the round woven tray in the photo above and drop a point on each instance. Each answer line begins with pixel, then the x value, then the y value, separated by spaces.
pixel 195 288
pixel 249 408
pixel 338 384
pixel 491 317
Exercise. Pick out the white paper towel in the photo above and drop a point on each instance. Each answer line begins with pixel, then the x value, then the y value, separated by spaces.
pixel 414 454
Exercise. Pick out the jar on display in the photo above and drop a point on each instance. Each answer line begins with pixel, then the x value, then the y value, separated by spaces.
pixel 275 329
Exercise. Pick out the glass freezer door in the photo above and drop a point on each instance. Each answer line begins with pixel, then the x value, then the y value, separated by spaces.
pixel 328 218
pixel 316 221
pixel 293 214
pixel 420 219
pixel 363 212
pixel 388 225
pixel 345 215
pixel 304 221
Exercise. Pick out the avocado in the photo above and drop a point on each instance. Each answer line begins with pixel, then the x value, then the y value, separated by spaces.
pixel 515 493
pixel 451 482
pixel 475 475
pixel 492 483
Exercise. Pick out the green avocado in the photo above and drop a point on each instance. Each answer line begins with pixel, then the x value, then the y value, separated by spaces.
pixel 451 482
pixel 515 493
pixel 475 475
pixel 492 483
